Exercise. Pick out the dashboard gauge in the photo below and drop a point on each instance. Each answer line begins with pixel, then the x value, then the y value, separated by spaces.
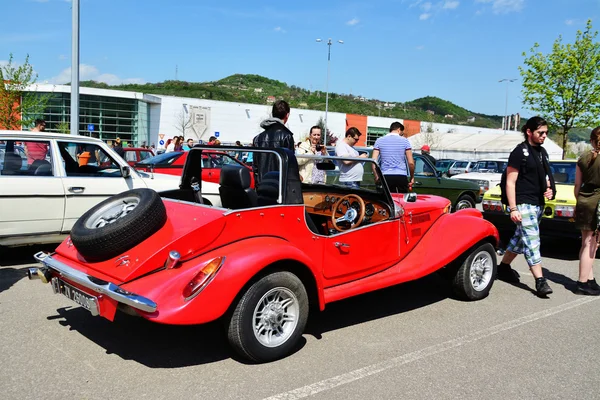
pixel 333 199
pixel 327 198
pixel 355 205
pixel 369 209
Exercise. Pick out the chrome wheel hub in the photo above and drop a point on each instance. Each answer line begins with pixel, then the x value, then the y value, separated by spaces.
pixel 275 317
pixel 112 212
pixel 481 271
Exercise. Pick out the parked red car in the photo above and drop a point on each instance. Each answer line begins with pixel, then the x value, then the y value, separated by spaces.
pixel 268 256
pixel 172 163
pixel 133 155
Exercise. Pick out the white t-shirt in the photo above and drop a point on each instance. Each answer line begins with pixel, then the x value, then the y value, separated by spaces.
pixel 352 172
pixel 170 147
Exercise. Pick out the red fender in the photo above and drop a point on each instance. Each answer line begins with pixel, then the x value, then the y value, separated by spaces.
pixel 244 259
pixel 441 245
pixel 438 247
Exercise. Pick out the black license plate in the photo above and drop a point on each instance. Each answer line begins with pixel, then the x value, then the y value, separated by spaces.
pixel 85 300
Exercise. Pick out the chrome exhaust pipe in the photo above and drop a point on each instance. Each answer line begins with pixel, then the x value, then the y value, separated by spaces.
pixel 32 273
pixel 38 273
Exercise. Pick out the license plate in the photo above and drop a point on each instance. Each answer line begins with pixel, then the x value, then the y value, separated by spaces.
pixel 85 300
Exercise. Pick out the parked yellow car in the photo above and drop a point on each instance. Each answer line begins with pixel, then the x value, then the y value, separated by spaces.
pixel 558 213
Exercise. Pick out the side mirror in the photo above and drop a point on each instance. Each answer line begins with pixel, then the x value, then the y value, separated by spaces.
pixel 126 172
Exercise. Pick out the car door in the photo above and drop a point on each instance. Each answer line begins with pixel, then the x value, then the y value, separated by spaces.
pixel 427 181
pixel 32 198
pixel 359 252
pixel 88 183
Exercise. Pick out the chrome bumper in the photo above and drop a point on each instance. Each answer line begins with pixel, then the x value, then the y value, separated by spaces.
pixel 97 285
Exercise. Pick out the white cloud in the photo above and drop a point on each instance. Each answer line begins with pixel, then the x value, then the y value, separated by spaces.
pixel 353 21
pixel 450 5
pixel 426 6
pixel 279 29
pixel 91 73
pixel 420 47
pixel 424 16
pixel 570 22
pixel 504 6
pixel 62 57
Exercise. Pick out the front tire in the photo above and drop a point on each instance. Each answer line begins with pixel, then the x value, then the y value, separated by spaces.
pixel 464 201
pixel 475 277
pixel 269 318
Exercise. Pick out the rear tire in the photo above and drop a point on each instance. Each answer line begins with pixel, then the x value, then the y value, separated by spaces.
pixel 475 277
pixel 269 318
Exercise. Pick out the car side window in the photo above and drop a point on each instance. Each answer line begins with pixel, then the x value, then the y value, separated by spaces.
pixel 88 159
pixel 130 156
pixel 422 168
pixel 31 158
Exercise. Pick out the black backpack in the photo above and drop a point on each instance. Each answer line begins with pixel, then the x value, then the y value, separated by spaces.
pixel 522 170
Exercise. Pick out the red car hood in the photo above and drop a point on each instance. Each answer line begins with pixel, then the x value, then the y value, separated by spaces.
pixel 204 224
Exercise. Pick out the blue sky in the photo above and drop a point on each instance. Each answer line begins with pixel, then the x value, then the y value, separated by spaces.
pixel 394 50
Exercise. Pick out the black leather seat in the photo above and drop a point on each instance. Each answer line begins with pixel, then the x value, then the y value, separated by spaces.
pixel 12 164
pixel 268 189
pixel 40 167
pixel 235 188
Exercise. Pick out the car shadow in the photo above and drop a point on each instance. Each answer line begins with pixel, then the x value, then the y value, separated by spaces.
pixel 171 346
pixel 151 344
pixel 10 257
pixel 379 304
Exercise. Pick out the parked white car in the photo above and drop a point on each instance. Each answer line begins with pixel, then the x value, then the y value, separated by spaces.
pixel 47 181
pixel 486 173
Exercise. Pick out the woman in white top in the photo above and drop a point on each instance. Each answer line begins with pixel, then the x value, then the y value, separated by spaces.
pixel 312 145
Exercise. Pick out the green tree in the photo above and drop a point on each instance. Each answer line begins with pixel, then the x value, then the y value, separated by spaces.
pixel 17 107
pixel 564 85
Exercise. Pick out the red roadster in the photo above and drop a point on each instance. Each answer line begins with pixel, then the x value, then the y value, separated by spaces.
pixel 270 254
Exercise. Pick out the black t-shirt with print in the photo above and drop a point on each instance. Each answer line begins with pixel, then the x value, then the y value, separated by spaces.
pixel 528 187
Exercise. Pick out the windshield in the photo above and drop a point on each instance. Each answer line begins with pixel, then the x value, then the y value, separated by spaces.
pixel 341 172
pixel 563 172
pixel 164 158
pixel 443 164
pixel 490 166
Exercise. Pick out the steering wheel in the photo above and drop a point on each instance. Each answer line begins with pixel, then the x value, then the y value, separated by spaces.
pixel 351 216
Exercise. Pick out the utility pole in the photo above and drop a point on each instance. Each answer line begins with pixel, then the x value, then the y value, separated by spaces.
pixel 505 122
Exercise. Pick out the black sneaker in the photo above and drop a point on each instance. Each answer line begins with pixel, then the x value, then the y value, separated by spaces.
pixel 593 284
pixel 507 274
pixel 586 288
pixel 541 287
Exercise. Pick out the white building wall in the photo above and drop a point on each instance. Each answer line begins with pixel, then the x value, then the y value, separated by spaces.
pixel 382 122
pixel 240 121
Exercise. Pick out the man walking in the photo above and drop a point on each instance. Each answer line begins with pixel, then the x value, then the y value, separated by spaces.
pixel 275 135
pixel 529 182
pixel 396 153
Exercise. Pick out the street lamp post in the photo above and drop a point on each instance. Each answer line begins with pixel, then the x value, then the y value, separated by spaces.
pixel 507 80
pixel 329 43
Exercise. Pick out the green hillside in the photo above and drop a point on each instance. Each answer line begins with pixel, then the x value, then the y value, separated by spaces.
pixel 255 89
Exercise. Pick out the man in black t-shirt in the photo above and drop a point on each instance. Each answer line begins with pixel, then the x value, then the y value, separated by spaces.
pixel 529 182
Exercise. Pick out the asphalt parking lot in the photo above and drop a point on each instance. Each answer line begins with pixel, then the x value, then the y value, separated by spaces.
pixel 413 341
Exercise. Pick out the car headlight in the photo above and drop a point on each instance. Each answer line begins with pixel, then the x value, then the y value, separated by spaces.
pixel 484 185
pixel 564 211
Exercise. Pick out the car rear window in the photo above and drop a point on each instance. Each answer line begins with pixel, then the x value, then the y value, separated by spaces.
pixel 163 159
pixel 460 164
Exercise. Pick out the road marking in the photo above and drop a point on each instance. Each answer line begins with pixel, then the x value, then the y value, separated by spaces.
pixel 373 369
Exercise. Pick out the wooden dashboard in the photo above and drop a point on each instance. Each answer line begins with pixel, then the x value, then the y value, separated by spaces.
pixel 322 204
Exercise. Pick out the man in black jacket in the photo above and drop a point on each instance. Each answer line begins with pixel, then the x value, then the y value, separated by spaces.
pixel 528 185
pixel 275 135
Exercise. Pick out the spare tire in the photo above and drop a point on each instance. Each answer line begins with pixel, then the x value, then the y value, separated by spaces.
pixel 118 223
